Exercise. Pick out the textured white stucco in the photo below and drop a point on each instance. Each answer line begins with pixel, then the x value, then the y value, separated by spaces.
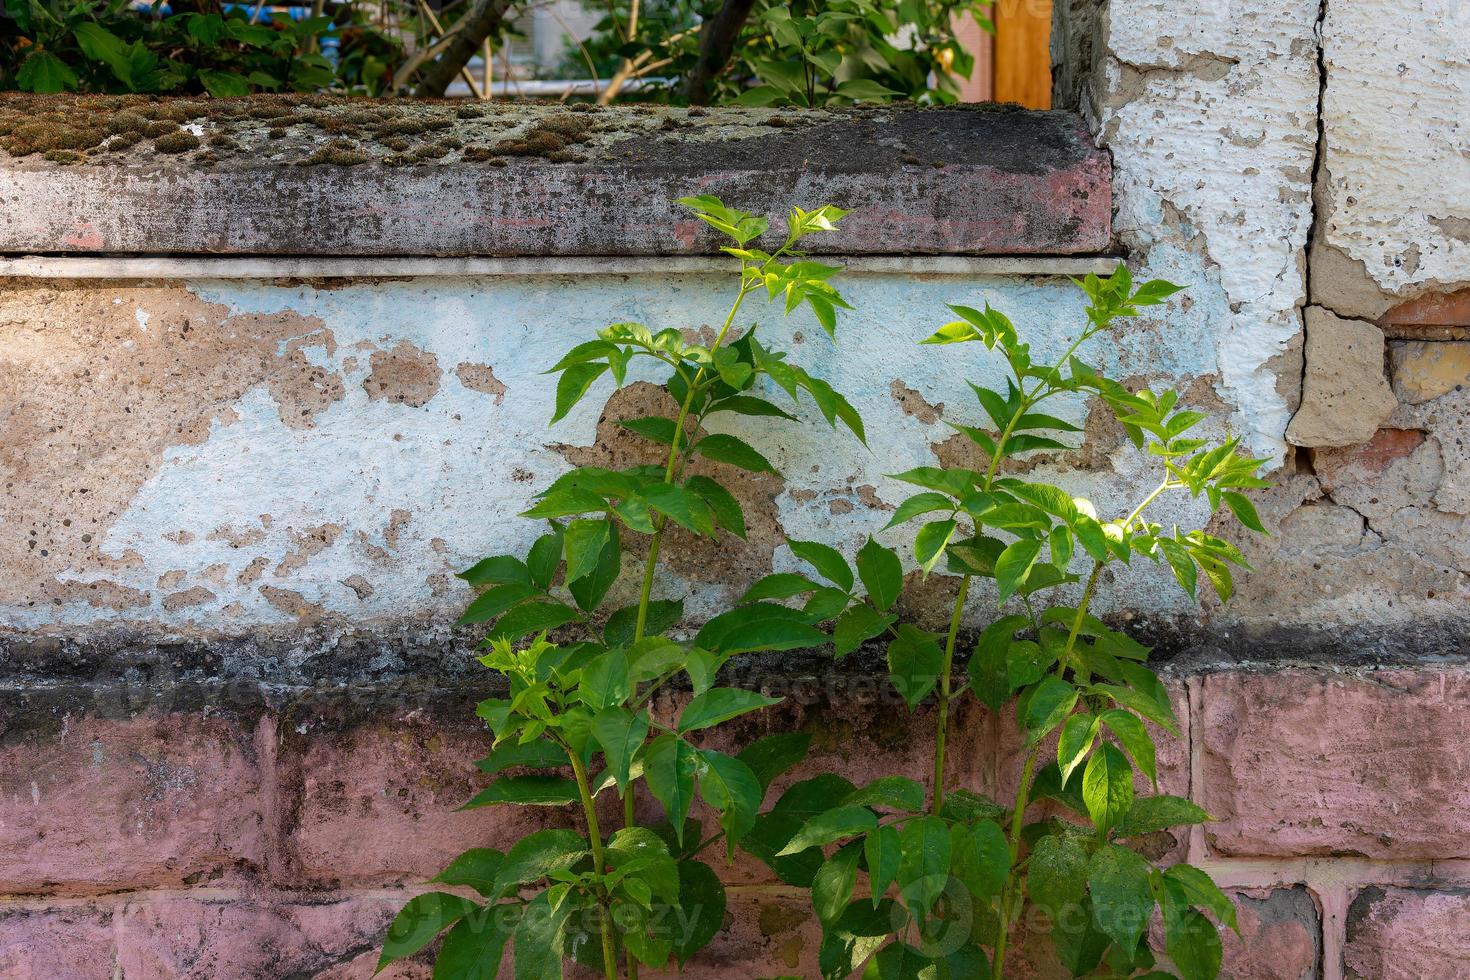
pixel 1210 112
pixel 417 493
pixel 1396 160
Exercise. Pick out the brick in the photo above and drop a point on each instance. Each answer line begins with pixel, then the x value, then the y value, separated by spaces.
pixel 1408 934
pixel 1280 936
pixel 768 932
pixel 1424 370
pixel 1432 310
pixel 1300 762
pixel 140 802
pixel 379 802
pixel 255 938
pixel 56 944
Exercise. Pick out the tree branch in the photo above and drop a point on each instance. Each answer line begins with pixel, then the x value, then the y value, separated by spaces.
pixel 465 39
pixel 716 43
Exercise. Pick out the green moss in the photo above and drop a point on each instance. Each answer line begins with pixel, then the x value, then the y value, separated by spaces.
pixel 338 153
pixel 177 141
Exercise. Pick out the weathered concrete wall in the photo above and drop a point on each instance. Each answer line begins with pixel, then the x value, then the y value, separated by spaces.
pixel 233 506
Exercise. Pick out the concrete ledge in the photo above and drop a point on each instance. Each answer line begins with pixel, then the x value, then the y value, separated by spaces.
pixel 324 177
pixel 395 267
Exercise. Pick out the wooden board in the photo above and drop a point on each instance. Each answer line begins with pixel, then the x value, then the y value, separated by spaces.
pixel 1022 52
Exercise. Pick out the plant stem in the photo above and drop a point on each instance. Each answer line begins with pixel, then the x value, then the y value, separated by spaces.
pixel 942 722
pixel 1008 894
pixel 658 532
pixel 594 837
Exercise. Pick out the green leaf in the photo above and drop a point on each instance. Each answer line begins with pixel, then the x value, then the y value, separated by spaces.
pixel 702 903
pixel 1050 703
pixel 833 825
pixel 566 502
pixel 987 667
pixel 228 85
pixel 834 882
pixel 1240 505
pixel 882 852
pixel 724 448
pixel 1149 814
pixel 924 870
pixel 544 557
pixel 1135 739
pixel 529 790
pixel 919 503
pixel 540 754
pixel 532 617
pixel 420 920
pixel 779 585
pixel 856 626
pixel 655 428
pixel 497 570
pixel 681 506
pixel 955 482
pixel 749 405
pixel 721 502
pixel 930 541
pixel 981 858
pixel 1013 564
pixel 584 541
pixel 729 786
pixel 588 590
pixel 771 755
pixel 1156 708
pixel 493 602
pixel 1078 733
pixel 1200 889
pixel 669 766
pixel 900 961
pixel 662 615
pixel 1056 877
pixel 475 868
pixel 538 935
pixel 771 833
pixel 43 72
pixel 867 90
pixel 889 793
pixel 720 704
pixel 1193 944
pixel 1107 787
pixel 573 385
pixel 828 562
pixel 1122 894
pixel 621 733
pixel 881 573
pixel 914 663
pixel 473 949
pixel 759 627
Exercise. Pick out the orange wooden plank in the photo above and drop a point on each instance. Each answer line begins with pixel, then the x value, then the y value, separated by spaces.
pixel 1022 53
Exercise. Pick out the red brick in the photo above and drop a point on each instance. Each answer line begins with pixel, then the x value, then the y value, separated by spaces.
pixel 1408 934
pixel 254 939
pixel 1434 309
pixel 1279 935
pixel 140 802
pixel 380 803
pixel 1301 762
pixel 56 944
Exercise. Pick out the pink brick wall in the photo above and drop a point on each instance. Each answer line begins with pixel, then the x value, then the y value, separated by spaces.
pixel 179 845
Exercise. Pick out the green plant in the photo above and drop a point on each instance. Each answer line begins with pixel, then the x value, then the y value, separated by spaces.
pixel 640 893
pixel 947 874
pixel 803 53
pixel 108 46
